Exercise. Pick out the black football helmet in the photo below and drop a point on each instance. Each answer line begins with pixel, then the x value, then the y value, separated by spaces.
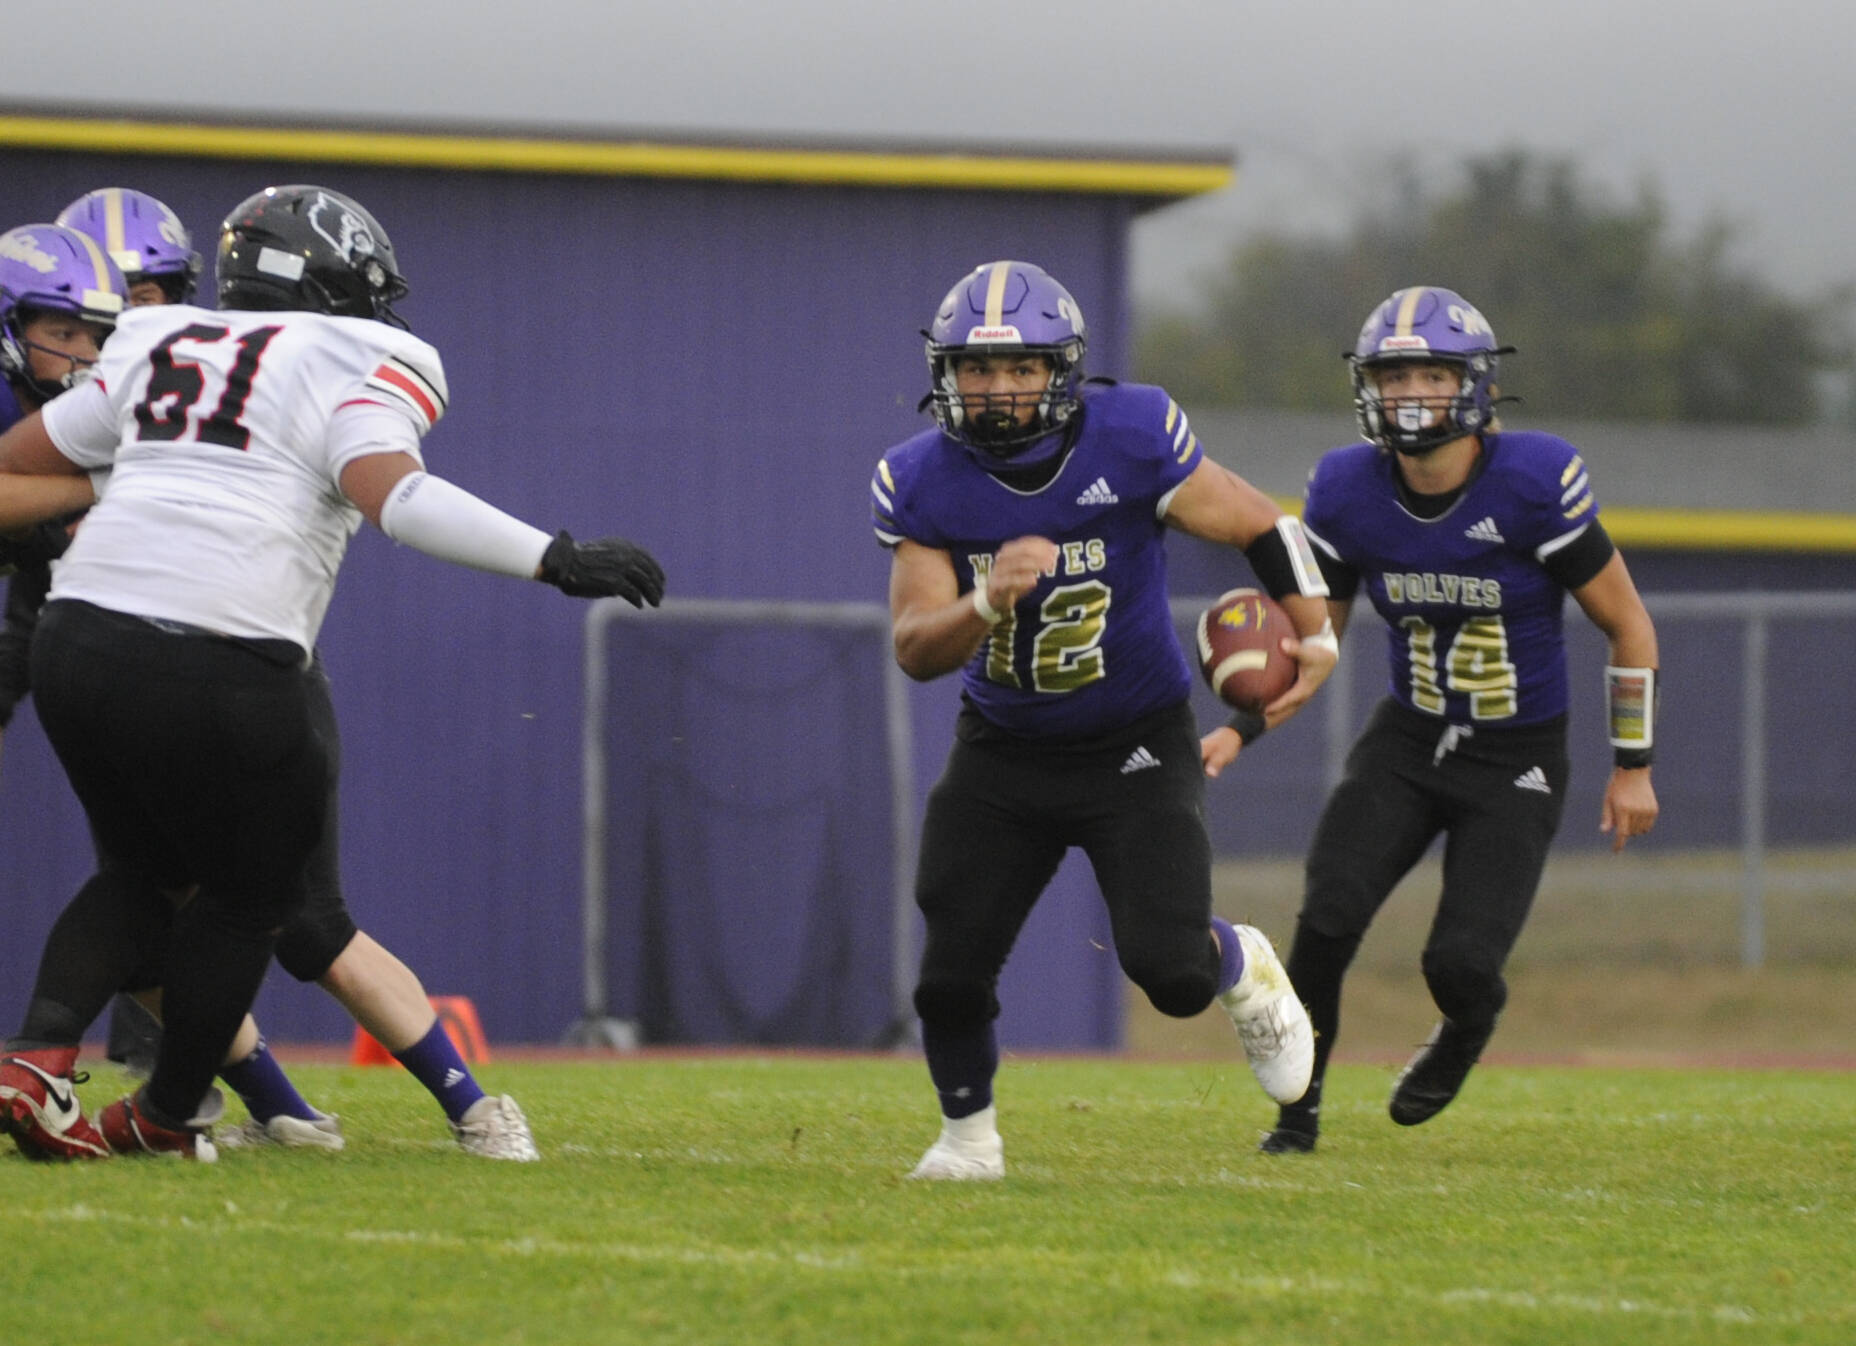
pixel 304 247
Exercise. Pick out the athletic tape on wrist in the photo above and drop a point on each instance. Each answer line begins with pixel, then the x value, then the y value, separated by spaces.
pixel 988 613
pixel 1325 638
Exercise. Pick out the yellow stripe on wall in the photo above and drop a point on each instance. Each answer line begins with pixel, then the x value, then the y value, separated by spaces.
pixel 516 154
pixel 1712 530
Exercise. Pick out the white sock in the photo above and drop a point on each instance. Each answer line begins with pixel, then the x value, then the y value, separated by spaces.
pixel 977 1126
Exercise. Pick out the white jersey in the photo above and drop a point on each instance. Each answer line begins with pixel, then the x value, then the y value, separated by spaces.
pixel 226 433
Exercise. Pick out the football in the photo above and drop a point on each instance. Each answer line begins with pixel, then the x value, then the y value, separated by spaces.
pixel 1240 649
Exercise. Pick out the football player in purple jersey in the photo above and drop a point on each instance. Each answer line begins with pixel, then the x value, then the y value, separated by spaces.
pixel 1466 539
pixel 1026 531
pixel 154 251
pixel 60 296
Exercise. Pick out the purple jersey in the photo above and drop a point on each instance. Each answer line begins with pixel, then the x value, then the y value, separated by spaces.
pixel 1475 620
pixel 1093 647
pixel 10 409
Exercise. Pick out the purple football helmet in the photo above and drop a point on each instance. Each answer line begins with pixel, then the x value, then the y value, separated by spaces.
pixel 1425 325
pixel 45 267
pixel 142 236
pixel 1007 308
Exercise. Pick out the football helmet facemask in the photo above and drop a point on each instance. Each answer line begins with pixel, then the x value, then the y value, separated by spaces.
pixel 311 248
pixel 1007 308
pixel 48 268
pixel 143 237
pixel 1425 325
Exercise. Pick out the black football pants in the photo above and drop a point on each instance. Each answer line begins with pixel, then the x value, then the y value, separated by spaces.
pixel 1496 795
pixel 200 766
pixel 998 824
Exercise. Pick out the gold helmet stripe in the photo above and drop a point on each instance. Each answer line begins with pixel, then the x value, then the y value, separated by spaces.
pixel 102 295
pixel 116 236
pixel 113 236
pixel 995 294
pixel 1407 307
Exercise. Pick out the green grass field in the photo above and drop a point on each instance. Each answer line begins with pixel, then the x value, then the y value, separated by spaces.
pixel 720 1199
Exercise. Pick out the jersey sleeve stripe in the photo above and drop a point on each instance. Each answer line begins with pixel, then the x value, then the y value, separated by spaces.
pixel 1578 488
pixel 1587 503
pixel 397 377
pixel 1572 469
pixel 1172 414
pixel 1182 433
pixel 1319 541
pixel 1192 442
pixel 883 501
pixel 1547 548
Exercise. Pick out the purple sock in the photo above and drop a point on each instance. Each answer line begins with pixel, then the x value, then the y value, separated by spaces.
pixel 1230 955
pixel 435 1063
pixel 962 1066
pixel 265 1089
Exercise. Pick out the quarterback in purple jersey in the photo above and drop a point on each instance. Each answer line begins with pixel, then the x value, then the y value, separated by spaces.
pixel 1026 536
pixel 1467 539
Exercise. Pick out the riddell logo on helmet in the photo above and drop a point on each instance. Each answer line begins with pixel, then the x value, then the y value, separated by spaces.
pixel 23 247
pixel 1404 343
pixel 1006 333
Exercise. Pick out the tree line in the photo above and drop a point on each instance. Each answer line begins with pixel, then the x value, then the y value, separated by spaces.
pixel 1612 316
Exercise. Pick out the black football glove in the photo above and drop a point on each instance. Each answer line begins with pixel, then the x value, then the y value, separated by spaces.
pixel 607 567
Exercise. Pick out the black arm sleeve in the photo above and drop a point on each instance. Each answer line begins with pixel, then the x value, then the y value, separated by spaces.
pixel 1580 560
pixel 1343 580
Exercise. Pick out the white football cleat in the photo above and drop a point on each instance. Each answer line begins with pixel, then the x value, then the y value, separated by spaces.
pixel 321 1132
pixel 495 1128
pixel 1270 1020
pixel 967 1150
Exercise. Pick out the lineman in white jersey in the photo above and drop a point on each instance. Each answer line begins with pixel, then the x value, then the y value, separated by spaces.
pixel 250 441
pixel 334 390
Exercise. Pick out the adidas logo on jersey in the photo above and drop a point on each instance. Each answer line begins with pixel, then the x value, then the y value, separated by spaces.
pixel 1139 760
pixel 1484 531
pixel 1533 779
pixel 1098 494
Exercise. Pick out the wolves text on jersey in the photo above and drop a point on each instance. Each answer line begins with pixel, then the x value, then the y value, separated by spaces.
pixel 1470 591
pixel 1074 558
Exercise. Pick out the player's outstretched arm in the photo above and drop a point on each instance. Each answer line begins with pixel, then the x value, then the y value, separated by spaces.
pixel 410 505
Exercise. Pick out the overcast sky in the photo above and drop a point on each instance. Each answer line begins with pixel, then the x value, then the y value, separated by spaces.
pixel 1737 111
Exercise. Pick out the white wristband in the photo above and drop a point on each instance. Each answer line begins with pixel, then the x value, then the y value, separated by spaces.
pixel 988 613
pixel 1630 706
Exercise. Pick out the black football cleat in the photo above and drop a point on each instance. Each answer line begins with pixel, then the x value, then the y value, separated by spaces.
pixel 1432 1078
pixel 1287 1140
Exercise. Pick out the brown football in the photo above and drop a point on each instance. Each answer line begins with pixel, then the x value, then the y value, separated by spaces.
pixel 1240 639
